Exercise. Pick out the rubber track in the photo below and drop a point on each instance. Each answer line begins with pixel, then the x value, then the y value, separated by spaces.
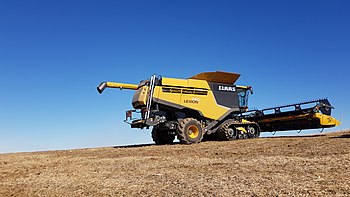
pixel 222 132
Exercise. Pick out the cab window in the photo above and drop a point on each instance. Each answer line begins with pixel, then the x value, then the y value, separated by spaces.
pixel 242 98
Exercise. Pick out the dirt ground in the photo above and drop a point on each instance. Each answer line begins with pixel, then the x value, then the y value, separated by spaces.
pixel 317 165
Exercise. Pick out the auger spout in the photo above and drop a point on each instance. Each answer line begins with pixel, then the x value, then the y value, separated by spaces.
pixel 105 85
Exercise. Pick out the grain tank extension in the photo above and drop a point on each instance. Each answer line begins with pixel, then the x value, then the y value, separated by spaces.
pixel 212 106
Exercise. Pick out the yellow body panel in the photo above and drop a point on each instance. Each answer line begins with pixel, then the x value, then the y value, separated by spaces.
pixel 140 97
pixel 167 96
pixel 206 104
pixel 194 83
pixel 190 93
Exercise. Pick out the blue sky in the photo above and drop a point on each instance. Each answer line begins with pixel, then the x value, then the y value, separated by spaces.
pixel 53 54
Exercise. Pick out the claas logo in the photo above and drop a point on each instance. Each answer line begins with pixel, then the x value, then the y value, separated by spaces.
pixel 227 88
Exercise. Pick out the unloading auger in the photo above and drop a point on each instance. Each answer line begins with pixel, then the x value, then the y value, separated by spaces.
pixel 210 105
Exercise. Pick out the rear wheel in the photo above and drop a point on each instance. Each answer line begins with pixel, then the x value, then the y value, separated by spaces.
pixel 161 137
pixel 189 131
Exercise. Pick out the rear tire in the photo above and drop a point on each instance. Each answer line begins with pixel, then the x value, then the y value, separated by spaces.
pixel 161 137
pixel 189 131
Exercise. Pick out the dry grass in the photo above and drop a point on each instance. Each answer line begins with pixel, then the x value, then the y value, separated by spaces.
pixel 287 166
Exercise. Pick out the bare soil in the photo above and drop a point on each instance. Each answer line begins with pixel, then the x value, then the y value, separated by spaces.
pixel 316 165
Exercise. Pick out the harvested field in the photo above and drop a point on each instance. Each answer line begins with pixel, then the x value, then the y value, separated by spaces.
pixel 317 165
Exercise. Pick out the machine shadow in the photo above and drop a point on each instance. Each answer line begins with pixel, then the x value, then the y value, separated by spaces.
pixel 298 136
pixel 347 135
pixel 142 145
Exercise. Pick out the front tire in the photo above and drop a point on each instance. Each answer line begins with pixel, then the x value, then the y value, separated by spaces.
pixel 189 131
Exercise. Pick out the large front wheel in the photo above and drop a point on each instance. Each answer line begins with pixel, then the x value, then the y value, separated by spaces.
pixel 189 131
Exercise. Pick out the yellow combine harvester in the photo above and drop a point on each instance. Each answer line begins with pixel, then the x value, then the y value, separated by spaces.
pixel 210 105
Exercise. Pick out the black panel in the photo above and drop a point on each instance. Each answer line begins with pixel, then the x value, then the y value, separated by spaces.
pixel 225 95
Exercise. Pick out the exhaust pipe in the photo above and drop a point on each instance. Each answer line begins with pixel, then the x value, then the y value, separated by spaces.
pixel 101 87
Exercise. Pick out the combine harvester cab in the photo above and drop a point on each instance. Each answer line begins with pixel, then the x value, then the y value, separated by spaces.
pixel 212 106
